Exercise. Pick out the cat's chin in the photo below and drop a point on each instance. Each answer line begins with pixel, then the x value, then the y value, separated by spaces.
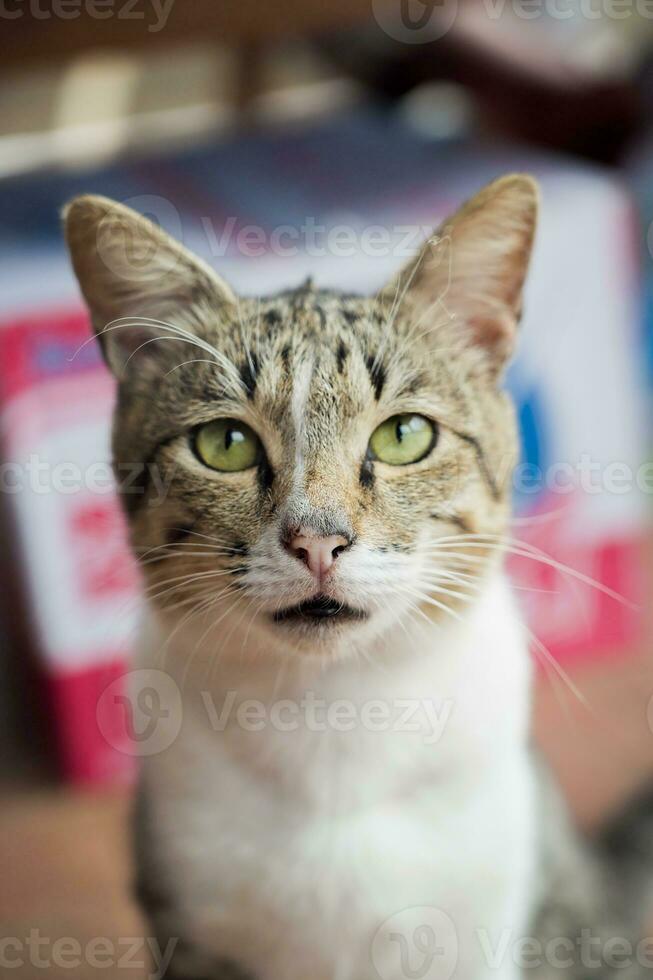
pixel 318 625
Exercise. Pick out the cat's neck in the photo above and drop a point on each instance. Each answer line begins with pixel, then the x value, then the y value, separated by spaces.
pixel 443 702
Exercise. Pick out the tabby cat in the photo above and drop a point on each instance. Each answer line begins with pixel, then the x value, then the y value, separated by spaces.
pixel 346 788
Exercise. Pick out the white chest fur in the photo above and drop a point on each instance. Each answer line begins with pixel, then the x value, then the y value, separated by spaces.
pixel 300 827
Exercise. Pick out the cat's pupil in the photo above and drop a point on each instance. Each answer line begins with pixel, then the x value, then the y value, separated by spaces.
pixel 231 436
pixel 400 431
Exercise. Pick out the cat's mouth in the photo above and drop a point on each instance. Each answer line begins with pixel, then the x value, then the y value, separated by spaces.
pixel 320 609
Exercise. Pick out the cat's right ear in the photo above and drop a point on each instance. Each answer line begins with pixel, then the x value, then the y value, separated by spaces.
pixel 139 283
pixel 471 274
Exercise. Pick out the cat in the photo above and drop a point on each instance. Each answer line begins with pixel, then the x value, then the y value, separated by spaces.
pixel 347 788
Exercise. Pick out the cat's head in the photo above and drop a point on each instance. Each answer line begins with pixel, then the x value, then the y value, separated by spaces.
pixel 315 468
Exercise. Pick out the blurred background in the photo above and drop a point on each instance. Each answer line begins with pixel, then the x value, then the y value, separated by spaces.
pixel 275 139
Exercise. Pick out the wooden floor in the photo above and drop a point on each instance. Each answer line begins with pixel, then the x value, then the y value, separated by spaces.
pixel 64 871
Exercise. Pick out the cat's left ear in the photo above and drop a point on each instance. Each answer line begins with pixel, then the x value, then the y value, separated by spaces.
pixel 472 272
pixel 134 277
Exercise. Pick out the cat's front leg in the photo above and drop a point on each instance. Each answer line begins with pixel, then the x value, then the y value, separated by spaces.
pixel 175 957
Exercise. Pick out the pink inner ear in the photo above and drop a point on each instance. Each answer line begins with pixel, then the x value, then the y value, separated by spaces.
pixel 495 332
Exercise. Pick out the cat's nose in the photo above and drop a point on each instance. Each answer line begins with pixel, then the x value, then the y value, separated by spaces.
pixel 317 551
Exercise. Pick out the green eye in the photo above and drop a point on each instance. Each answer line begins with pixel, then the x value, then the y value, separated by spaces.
pixel 403 439
pixel 227 445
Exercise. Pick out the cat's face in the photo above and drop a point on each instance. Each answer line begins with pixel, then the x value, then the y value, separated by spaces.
pixel 326 459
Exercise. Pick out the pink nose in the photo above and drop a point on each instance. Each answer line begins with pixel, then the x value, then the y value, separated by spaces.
pixel 319 553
